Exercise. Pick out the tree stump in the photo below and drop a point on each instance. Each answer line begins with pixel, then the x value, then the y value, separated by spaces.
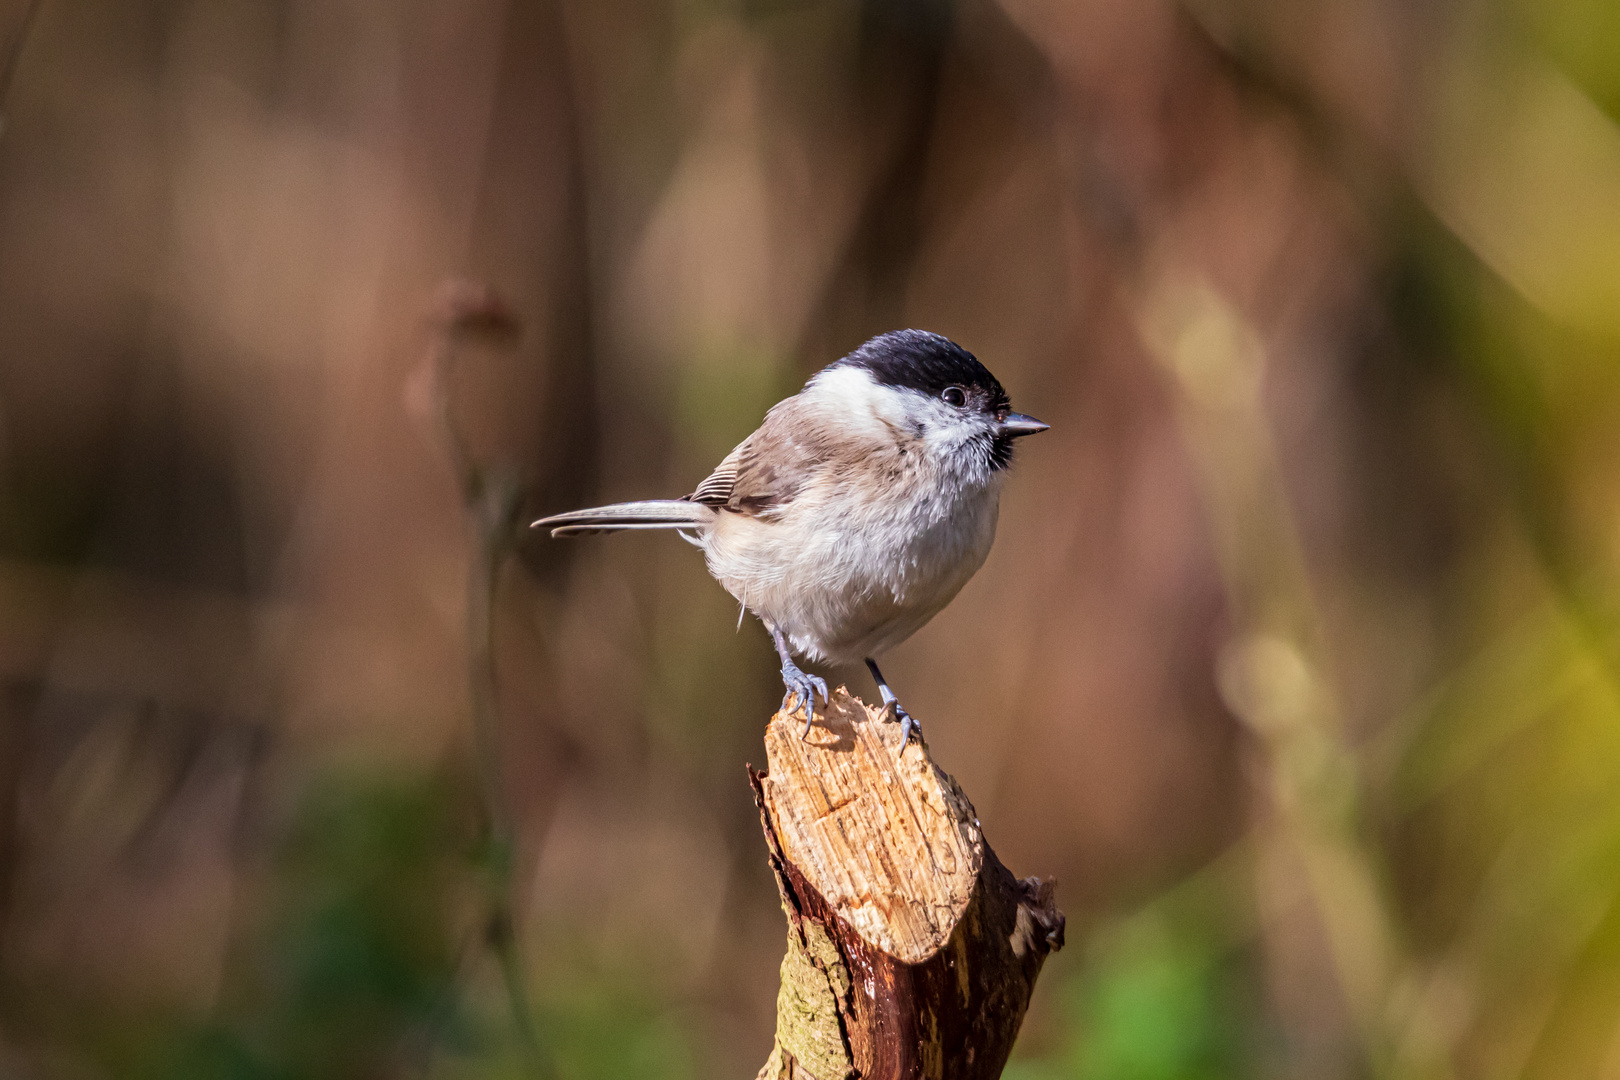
pixel 911 950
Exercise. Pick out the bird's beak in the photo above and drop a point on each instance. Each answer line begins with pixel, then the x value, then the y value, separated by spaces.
pixel 1017 424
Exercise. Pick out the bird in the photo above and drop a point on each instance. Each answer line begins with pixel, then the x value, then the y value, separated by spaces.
pixel 855 512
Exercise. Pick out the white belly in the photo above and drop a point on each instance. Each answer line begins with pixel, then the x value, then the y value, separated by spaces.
pixel 844 580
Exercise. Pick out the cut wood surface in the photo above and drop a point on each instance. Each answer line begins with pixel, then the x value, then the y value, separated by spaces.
pixel 912 951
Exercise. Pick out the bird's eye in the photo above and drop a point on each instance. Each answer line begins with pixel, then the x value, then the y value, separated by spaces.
pixel 954 395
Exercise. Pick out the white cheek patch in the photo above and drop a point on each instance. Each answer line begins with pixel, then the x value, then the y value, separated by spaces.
pixel 852 395
pixel 865 408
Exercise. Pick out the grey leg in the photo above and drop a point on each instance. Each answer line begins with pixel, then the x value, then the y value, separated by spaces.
pixel 801 688
pixel 907 724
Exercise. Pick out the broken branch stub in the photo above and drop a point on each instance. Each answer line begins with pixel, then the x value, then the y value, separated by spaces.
pixel 912 951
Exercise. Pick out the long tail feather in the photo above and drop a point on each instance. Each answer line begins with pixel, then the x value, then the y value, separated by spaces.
pixel 649 514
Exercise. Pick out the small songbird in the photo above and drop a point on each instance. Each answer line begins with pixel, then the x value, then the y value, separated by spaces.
pixel 856 512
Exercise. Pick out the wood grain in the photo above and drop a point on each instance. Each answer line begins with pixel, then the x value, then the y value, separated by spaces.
pixel 912 951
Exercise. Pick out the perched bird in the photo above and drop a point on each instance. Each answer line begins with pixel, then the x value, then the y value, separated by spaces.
pixel 856 512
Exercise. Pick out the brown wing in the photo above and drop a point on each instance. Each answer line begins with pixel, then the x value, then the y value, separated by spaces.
pixel 716 490
pixel 768 468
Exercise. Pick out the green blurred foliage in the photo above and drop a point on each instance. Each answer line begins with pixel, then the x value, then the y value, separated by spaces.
pixel 355 957
pixel 368 961
pixel 1170 993
pixel 1583 38
pixel 605 1027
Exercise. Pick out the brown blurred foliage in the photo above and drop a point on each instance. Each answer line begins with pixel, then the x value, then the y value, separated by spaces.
pixel 1296 660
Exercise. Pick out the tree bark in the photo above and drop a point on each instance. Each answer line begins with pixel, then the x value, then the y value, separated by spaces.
pixel 912 951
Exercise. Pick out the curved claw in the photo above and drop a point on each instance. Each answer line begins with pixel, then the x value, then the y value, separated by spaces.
pixel 801 694
pixel 891 705
pixel 894 713
pixel 815 682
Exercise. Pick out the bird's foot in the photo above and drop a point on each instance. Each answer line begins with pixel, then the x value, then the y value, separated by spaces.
pixel 891 705
pixel 893 712
pixel 801 693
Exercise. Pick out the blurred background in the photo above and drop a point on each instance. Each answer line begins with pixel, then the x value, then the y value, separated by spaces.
pixel 1297 661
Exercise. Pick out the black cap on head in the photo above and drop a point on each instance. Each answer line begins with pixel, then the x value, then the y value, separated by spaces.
pixel 918 360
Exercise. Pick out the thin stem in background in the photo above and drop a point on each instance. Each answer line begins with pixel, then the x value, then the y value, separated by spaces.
pixel 492 497
pixel 493 516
